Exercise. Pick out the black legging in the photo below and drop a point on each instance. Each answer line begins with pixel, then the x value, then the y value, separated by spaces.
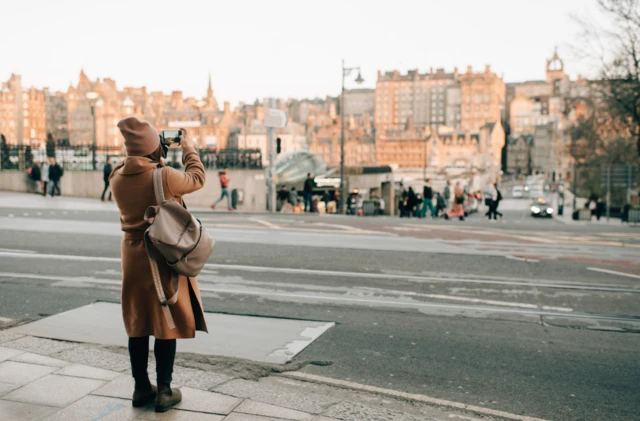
pixel 165 352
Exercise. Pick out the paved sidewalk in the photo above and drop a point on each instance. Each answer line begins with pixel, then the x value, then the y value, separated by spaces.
pixel 48 380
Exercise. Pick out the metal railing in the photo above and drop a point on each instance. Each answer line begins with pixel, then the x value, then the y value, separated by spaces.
pixel 81 157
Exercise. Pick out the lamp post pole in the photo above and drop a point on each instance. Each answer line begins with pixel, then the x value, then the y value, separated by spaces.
pixel 93 145
pixel 345 72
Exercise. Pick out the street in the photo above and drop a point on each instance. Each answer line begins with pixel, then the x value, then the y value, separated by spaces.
pixel 538 317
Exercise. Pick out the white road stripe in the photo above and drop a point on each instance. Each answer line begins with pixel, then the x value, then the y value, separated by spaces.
pixel 67 281
pixel 522 259
pixel 265 223
pixel 423 279
pixel 614 272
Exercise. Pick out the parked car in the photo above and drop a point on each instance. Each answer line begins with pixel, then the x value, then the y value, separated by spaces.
pixel 541 207
pixel 517 192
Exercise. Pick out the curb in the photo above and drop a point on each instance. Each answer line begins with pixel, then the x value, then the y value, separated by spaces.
pixel 297 375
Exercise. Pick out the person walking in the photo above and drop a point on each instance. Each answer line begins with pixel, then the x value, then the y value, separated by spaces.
pixel 447 194
pixel 224 187
pixel 412 202
pixel 427 200
pixel 283 195
pixel 35 175
pixel 45 176
pixel 326 198
pixel 142 312
pixel 55 174
pixel 497 201
pixel 308 193
pixel 106 173
pixel 293 198
pixel 457 209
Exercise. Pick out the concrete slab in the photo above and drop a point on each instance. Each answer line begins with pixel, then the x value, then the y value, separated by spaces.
pixel 266 410
pixel 6 336
pixel 24 411
pixel 209 402
pixel 247 417
pixel 176 415
pixel 20 373
pixel 122 388
pixel 87 372
pixel 29 358
pixel 97 408
pixel 254 338
pixel 8 353
pixel 96 358
pixel 55 390
pixel 39 345
pixel 277 395
pixel 7 387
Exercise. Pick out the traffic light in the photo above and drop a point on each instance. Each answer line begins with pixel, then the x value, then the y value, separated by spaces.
pixel 278 145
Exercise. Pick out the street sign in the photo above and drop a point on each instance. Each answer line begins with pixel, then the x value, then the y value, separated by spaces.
pixel 275 118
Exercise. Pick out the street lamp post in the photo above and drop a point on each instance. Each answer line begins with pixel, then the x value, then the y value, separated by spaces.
pixel 92 97
pixel 345 72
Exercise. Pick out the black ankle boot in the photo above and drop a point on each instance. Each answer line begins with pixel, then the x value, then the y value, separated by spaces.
pixel 167 397
pixel 144 393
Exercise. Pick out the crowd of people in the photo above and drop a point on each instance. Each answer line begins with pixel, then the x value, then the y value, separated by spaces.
pixel 46 177
pixel 458 202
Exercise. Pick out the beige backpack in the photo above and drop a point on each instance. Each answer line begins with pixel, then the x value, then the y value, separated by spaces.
pixel 179 237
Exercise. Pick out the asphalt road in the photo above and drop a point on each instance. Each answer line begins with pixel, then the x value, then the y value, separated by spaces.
pixel 514 315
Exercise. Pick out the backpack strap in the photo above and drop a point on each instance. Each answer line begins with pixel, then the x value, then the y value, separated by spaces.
pixel 157 185
pixel 155 272
pixel 153 263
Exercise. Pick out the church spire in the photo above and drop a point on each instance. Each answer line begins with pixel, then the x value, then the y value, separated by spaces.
pixel 210 89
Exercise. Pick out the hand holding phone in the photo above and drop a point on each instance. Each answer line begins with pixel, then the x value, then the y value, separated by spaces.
pixel 170 136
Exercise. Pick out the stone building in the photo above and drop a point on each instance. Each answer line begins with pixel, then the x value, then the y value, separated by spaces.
pixel 483 99
pixel 519 154
pixel 416 96
pixel 56 116
pixel 22 113
pixel 358 102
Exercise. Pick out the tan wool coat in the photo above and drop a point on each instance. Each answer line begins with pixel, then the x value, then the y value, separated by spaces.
pixel 132 186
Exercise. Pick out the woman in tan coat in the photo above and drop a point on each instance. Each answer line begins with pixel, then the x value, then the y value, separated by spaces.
pixel 132 186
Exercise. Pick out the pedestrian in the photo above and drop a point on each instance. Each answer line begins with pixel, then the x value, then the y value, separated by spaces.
pixel 308 193
pixel 412 202
pixel 224 189
pixel 381 206
pixel 427 200
pixel 592 207
pixel 599 208
pixel 492 197
pixel 326 198
pixel 106 173
pixel 560 200
pixel 45 176
pixel 55 174
pixel 447 194
pixel 457 209
pixel 283 195
pixel 143 314
pixel 35 175
pixel 497 201
pixel 293 198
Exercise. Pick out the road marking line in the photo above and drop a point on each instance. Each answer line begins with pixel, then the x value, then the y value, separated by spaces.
pixel 407 396
pixel 614 272
pixel 595 316
pixel 416 278
pixel 521 259
pixel 204 288
pixel 265 223
pixel 18 251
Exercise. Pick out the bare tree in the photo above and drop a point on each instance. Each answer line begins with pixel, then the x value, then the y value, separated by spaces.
pixel 615 49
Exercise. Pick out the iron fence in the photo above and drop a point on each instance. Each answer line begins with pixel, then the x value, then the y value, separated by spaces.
pixel 81 157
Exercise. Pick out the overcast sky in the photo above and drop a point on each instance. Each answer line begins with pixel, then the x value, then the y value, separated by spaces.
pixel 256 49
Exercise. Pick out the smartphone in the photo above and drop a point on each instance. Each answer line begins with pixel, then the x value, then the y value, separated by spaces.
pixel 170 136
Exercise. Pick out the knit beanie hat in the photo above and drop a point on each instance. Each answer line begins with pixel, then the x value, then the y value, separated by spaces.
pixel 140 138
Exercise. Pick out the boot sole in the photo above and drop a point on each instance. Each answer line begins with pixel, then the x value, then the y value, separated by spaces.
pixel 143 402
pixel 167 407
